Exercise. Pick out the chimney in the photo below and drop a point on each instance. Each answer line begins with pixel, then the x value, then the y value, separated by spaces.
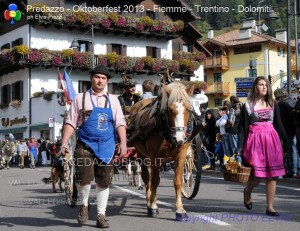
pixel 210 34
pixel 281 35
pixel 245 33
pixel 249 22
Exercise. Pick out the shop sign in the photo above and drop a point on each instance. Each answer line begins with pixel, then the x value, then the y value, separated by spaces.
pixel 6 121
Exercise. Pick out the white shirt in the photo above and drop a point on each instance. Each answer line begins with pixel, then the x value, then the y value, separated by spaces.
pixel 221 124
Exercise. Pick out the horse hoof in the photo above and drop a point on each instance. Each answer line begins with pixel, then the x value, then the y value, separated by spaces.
pixel 140 188
pixel 181 217
pixel 152 212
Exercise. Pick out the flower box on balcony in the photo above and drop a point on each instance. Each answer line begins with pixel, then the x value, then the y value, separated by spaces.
pixel 48 95
pixel 3 106
pixel 15 103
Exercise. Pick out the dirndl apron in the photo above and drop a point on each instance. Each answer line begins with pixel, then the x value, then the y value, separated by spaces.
pixel 98 132
pixel 263 149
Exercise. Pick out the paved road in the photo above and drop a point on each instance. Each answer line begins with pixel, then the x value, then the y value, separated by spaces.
pixel 28 204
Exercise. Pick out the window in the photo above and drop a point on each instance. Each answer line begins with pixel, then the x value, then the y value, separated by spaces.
pixel 153 52
pixel 84 46
pixel 119 49
pixel 217 52
pixel 45 133
pixel 6 94
pixel 218 102
pixel 217 77
pixel 17 42
pixel 83 86
pixel 205 77
pixel 281 52
pixel 244 50
pixel 187 48
pixel 114 88
pixel 252 72
pixel 5 46
pixel 151 14
pixel 17 90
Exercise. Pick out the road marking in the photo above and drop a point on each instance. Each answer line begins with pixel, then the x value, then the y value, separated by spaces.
pixel 193 216
pixel 278 186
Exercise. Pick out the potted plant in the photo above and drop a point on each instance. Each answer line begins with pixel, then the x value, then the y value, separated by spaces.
pixel 193 67
pixel 37 94
pixel 21 50
pixel 48 95
pixel 3 106
pixel 200 86
pixel 15 103
pixel 34 56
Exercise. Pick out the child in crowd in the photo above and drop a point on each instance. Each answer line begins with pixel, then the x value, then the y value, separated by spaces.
pixel 219 149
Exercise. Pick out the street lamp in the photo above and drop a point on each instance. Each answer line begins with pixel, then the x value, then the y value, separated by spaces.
pixel 259 25
pixel 272 16
pixel 75 44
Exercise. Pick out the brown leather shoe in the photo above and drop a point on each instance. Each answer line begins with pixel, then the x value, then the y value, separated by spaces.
pixel 83 214
pixel 102 222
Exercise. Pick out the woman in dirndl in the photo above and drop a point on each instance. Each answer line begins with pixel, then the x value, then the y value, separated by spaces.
pixel 259 141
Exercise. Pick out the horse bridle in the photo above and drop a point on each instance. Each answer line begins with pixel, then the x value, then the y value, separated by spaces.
pixel 166 130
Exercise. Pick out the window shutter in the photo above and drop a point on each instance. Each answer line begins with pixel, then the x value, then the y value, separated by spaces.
pixel 9 93
pixel 19 41
pixel 158 53
pixel 149 51
pixel 2 94
pixel 90 47
pixel 21 90
pixel 13 91
pixel 108 48
pixel 124 50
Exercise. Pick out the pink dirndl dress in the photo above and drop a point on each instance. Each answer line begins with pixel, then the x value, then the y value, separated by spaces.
pixel 263 149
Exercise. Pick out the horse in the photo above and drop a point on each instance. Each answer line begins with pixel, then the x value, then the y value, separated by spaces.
pixel 161 130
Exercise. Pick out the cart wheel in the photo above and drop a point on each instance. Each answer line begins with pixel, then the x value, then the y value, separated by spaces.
pixel 192 169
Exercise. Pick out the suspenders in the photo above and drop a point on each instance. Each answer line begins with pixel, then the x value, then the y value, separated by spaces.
pixel 84 112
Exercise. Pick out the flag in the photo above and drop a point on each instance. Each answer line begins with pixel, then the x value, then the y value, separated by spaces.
pixel 63 95
pixel 69 87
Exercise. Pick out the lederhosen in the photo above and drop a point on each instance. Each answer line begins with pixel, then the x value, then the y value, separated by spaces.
pixel 95 145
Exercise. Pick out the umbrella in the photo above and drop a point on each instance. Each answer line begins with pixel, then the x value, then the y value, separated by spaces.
pixel 292 99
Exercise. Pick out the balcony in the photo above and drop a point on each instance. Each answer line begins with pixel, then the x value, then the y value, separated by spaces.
pixel 218 88
pixel 220 61
pixel 21 56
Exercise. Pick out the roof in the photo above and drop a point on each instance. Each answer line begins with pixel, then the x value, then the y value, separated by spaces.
pixel 232 39
pixel 192 35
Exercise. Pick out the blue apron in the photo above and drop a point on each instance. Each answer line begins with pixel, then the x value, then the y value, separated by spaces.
pixel 98 132
pixel 33 150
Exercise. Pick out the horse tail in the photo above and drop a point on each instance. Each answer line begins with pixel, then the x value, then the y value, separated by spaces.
pixel 46 180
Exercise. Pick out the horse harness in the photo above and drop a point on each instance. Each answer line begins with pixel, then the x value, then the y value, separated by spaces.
pixel 163 124
pixel 167 131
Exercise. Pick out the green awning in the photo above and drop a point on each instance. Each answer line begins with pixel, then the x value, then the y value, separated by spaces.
pixel 39 126
pixel 13 130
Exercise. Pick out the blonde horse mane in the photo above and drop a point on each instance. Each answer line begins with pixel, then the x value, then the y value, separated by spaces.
pixel 178 94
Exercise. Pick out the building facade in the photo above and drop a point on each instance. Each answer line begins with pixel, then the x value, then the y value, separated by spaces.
pixel 37 47
pixel 238 57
